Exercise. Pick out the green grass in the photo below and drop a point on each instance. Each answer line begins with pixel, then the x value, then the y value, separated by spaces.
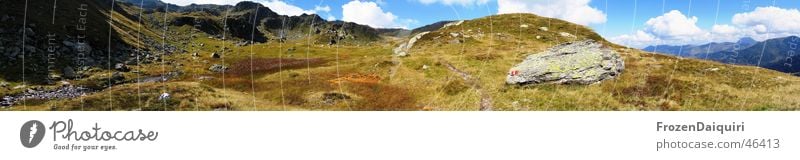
pixel 649 82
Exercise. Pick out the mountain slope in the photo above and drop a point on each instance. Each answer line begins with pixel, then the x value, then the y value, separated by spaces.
pixel 73 36
pixel 307 63
pixel 239 21
pixel 486 48
pixel 778 53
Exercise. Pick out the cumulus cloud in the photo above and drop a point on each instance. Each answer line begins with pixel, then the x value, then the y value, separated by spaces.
pixel 772 19
pixel 671 28
pixel 575 11
pixel 452 2
pixel 674 28
pixel 767 22
pixel 638 39
pixel 284 8
pixel 673 25
pixel 369 13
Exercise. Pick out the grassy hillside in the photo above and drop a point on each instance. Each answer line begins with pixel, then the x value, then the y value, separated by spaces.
pixel 650 81
pixel 459 67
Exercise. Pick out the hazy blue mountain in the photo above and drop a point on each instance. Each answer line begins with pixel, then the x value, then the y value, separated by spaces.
pixel 701 51
pixel 777 54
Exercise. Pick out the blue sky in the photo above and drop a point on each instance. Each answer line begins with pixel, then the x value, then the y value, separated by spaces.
pixel 636 23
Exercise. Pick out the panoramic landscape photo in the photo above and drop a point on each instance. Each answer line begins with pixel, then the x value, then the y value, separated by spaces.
pixel 408 55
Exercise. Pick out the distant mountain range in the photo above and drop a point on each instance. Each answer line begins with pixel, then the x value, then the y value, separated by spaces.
pixel 779 54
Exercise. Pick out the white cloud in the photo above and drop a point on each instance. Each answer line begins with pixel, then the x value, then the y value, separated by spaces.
pixel 674 25
pixel 322 8
pixel 724 29
pixel 637 40
pixel 772 19
pixel 452 2
pixel 671 28
pixel 674 28
pixel 284 8
pixel 369 13
pixel 575 11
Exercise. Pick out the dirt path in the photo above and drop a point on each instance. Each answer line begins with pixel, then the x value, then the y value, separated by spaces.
pixel 486 100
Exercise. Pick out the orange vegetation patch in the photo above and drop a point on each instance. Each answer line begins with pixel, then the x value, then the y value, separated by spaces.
pixel 358 78
pixel 271 65
pixel 381 97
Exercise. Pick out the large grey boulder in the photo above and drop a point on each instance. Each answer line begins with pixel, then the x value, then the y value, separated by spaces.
pixel 582 62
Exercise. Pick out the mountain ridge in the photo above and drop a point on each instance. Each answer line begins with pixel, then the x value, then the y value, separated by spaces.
pixel 746 51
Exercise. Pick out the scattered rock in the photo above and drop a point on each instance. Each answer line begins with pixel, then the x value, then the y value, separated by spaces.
pixel 582 62
pixel 69 73
pixel 122 67
pixel 456 23
pixel 456 41
pixel 117 78
pixel 204 78
pixel 425 67
pixel 454 34
pixel 68 43
pixel 712 69
pixel 164 96
pixel 515 104
pixel 217 68
pixel 29 32
pixel 331 98
pixel 543 29
pixel 523 26
pixel 538 37
pixel 63 92
pixel 6 101
pixel 215 55
pixel 565 34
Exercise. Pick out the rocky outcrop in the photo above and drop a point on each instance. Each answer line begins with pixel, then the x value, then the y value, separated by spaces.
pixel 456 23
pixel 403 49
pixel 582 62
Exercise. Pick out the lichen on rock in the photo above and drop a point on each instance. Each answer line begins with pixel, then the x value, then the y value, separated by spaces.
pixel 581 62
